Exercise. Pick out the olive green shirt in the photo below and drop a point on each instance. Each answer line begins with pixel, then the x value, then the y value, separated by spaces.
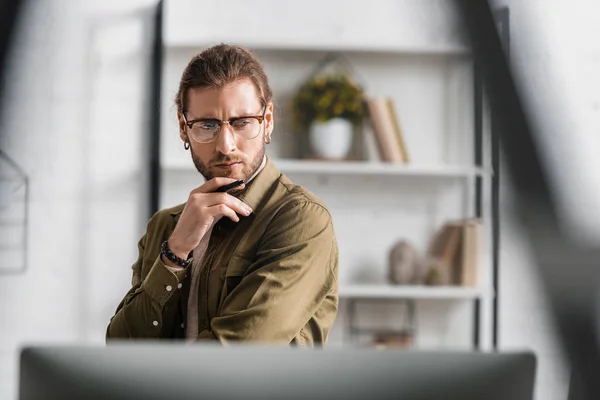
pixel 271 277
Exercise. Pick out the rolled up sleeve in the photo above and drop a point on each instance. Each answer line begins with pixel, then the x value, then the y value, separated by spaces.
pixel 145 307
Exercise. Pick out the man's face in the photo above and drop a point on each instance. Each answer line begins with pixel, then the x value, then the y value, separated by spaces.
pixel 228 155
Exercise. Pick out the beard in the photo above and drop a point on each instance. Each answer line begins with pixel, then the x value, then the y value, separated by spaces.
pixel 249 167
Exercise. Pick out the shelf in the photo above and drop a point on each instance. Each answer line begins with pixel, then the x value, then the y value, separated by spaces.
pixel 407 27
pixel 375 168
pixel 382 291
pixel 356 168
pixel 367 48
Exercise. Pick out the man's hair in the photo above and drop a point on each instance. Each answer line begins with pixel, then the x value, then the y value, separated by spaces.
pixel 220 65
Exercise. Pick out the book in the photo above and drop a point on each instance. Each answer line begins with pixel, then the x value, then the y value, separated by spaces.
pixel 394 340
pixel 445 249
pixel 397 130
pixel 470 253
pixel 457 247
pixel 383 130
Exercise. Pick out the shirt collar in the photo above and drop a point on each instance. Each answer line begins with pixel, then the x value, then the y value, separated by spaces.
pixel 258 189
pixel 260 168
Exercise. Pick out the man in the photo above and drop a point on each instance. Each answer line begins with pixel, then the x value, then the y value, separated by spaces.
pixel 257 263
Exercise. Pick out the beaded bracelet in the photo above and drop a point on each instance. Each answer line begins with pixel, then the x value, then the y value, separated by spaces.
pixel 164 250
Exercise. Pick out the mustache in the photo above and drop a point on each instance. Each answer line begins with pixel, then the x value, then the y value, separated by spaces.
pixel 222 158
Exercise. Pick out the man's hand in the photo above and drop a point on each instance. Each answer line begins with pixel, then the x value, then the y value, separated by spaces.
pixel 201 210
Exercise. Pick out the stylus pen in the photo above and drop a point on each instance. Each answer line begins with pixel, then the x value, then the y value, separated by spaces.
pixel 230 186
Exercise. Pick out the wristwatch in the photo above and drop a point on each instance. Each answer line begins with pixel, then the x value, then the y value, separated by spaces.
pixel 164 250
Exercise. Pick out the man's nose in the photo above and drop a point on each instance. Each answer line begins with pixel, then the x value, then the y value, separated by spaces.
pixel 225 142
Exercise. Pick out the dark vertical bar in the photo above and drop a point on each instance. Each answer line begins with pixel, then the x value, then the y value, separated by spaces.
pixel 503 26
pixel 411 308
pixel 351 324
pixel 9 19
pixel 154 170
pixel 478 153
pixel 502 20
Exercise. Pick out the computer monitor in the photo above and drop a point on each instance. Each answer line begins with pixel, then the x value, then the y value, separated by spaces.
pixel 191 371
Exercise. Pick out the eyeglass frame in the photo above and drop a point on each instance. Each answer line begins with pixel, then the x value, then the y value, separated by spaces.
pixel 259 118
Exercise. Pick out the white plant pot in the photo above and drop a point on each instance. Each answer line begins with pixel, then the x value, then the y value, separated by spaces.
pixel 331 139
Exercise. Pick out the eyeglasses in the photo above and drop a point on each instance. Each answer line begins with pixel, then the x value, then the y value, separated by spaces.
pixel 206 130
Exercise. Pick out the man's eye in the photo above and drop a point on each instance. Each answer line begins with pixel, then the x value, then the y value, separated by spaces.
pixel 207 125
pixel 240 123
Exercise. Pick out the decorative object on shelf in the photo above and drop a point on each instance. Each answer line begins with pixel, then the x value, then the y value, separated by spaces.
pixel 404 266
pixel 436 273
pixel 403 339
pixel 331 139
pixel 330 106
pixel 14 205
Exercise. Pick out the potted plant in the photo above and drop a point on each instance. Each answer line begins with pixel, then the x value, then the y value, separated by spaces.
pixel 329 107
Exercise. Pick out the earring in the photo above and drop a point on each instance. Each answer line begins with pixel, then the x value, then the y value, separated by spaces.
pixel 267 139
pixel 186 145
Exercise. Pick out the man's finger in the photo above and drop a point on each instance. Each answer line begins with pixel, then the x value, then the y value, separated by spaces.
pixel 230 201
pixel 224 210
pixel 213 184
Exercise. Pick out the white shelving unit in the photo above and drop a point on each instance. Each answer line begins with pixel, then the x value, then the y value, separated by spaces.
pixel 295 45
pixel 409 292
pixel 357 168
pixel 408 50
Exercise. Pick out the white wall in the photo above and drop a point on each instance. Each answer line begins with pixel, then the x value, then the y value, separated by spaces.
pixel 72 121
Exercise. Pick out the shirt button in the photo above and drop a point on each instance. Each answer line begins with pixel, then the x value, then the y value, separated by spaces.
pixel 155 323
pixel 169 288
pixel 179 285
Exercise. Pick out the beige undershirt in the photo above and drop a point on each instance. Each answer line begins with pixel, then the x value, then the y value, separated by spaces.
pixel 191 326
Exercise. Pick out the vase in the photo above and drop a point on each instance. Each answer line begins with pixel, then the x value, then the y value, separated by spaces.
pixel 331 139
pixel 404 264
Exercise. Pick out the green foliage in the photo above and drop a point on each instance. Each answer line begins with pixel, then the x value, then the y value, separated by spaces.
pixel 324 97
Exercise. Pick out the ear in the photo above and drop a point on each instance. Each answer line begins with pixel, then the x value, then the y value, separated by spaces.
pixel 182 130
pixel 269 119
